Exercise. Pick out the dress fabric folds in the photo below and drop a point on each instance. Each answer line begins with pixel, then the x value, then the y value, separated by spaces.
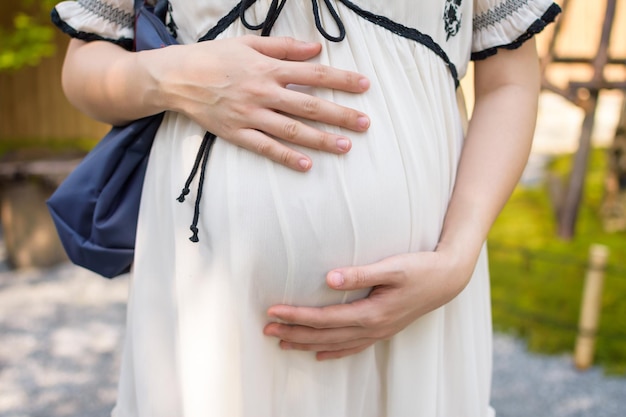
pixel 194 343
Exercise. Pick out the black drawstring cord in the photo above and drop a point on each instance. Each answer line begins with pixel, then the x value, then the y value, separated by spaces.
pixel 270 19
pixel 202 156
pixel 194 170
pixel 207 142
pixel 338 22
pixel 277 6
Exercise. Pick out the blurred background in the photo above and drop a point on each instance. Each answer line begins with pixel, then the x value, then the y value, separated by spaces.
pixel 557 252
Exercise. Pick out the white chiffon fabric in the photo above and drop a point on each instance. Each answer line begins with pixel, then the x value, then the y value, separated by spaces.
pixel 268 235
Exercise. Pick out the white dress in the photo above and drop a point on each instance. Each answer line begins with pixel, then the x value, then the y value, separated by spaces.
pixel 268 235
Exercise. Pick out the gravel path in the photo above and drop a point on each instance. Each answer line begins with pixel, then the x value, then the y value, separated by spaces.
pixel 61 329
pixel 530 385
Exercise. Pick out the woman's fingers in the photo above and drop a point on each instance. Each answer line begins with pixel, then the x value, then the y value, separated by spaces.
pixel 283 48
pixel 327 343
pixel 314 108
pixel 304 73
pixel 258 142
pixel 295 131
pixel 390 271
pixel 336 354
pixel 325 347
pixel 303 335
pixel 318 75
pixel 357 314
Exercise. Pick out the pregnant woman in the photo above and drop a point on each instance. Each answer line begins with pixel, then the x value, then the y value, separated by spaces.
pixel 340 269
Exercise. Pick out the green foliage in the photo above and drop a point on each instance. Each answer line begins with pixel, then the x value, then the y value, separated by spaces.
pixel 537 278
pixel 30 37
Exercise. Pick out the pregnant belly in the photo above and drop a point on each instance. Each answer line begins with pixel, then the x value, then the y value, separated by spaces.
pixel 279 232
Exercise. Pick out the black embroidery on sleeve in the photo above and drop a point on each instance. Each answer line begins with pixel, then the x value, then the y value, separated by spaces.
pixel 503 11
pixel 452 17
pixel 536 27
pixel 125 43
pixel 108 12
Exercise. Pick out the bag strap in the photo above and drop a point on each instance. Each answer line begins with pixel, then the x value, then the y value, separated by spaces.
pixel 159 7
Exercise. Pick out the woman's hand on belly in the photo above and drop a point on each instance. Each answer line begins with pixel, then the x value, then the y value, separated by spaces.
pixel 236 88
pixel 405 287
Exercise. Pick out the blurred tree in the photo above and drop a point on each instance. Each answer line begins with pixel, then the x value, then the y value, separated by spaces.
pixel 584 94
pixel 614 205
pixel 28 36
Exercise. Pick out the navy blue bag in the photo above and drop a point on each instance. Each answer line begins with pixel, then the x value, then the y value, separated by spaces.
pixel 95 209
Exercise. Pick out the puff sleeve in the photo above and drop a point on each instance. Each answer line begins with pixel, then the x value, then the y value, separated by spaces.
pixel 508 23
pixel 110 20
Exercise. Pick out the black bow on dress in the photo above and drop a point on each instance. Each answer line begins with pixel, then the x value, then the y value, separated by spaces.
pixel 277 6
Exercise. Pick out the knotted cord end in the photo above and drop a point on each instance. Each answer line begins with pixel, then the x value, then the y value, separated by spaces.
pixel 201 157
pixel 181 197
pixel 194 237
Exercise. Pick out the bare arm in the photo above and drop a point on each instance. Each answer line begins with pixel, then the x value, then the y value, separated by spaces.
pixel 235 88
pixel 496 148
pixel 408 286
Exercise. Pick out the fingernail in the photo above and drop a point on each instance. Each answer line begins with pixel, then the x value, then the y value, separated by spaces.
pixel 363 122
pixel 286 346
pixel 364 83
pixel 343 144
pixel 270 330
pixel 336 279
pixel 304 163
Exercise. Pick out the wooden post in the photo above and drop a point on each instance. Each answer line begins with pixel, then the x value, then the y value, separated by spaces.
pixel 590 309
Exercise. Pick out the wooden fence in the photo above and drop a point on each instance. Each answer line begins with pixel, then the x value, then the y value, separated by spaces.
pixel 33 106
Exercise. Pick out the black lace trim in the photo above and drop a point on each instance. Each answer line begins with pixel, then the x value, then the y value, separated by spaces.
pixel 537 26
pixel 125 43
pixel 223 23
pixel 396 28
pixel 406 32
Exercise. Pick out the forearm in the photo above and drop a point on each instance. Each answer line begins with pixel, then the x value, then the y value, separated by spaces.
pixel 236 88
pixel 109 83
pixel 496 149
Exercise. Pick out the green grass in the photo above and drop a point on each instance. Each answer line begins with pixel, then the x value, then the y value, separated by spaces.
pixel 537 278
